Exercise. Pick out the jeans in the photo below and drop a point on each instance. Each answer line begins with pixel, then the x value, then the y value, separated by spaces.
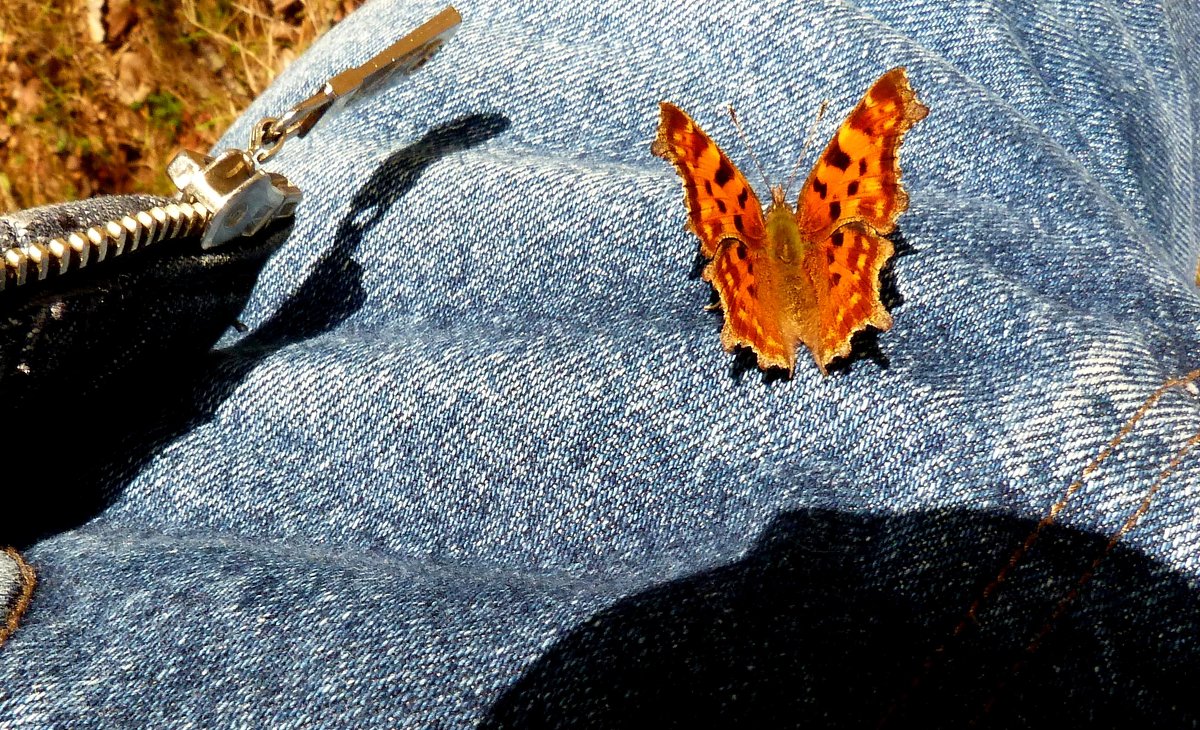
pixel 480 460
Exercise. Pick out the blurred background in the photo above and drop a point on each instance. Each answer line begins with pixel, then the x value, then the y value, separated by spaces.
pixel 96 96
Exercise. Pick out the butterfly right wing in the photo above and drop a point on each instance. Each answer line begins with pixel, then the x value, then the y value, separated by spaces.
pixel 844 269
pixel 858 176
pixel 720 202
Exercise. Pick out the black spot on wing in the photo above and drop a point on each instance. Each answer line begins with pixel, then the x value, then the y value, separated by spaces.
pixel 836 238
pixel 724 172
pixel 851 189
pixel 837 157
pixel 720 205
pixel 737 223
pixel 743 197
pixel 862 166
pixel 820 187
pixel 835 210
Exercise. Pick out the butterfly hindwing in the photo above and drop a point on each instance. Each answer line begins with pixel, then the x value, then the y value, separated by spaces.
pixel 755 303
pixel 845 268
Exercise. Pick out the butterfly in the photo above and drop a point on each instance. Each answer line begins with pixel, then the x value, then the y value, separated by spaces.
pixel 808 275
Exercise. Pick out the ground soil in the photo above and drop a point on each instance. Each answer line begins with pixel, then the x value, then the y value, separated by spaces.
pixel 96 96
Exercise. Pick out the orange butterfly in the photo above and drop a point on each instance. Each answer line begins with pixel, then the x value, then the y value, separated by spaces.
pixel 810 275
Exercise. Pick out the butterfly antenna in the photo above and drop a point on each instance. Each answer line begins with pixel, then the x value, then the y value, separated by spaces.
pixel 738 126
pixel 808 140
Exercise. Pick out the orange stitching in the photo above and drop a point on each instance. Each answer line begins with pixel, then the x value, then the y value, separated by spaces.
pixel 1074 487
pixel 1050 518
pixel 1067 600
pixel 21 605
pixel 1130 523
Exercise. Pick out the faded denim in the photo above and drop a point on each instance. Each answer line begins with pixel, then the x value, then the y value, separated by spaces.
pixel 480 460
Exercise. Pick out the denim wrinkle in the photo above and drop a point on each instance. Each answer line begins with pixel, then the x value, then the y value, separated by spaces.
pixel 481 427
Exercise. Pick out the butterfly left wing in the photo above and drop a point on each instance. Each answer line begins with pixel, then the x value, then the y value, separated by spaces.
pixel 720 202
pixel 844 269
pixel 757 302
pixel 858 176
pixel 728 219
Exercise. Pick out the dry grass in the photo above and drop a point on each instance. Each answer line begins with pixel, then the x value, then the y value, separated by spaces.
pixel 97 95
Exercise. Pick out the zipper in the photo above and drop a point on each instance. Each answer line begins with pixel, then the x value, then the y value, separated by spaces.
pixel 224 198
pixel 38 260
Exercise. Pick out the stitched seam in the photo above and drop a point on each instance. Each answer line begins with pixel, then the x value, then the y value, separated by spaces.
pixel 1049 519
pixel 1056 509
pixel 1061 609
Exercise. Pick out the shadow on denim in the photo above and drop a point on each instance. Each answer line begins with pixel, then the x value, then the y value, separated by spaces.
pixel 130 367
pixel 826 622
pixel 334 289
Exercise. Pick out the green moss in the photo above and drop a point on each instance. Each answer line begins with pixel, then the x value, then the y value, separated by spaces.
pixel 164 108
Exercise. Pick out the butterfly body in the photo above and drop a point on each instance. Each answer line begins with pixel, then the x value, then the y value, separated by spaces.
pixel 810 274
pixel 783 231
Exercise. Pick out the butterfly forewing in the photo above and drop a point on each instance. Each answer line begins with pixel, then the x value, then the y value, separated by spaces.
pixel 858 176
pixel 719 200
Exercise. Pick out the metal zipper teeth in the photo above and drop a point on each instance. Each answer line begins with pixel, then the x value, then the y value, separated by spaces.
pixel 40 259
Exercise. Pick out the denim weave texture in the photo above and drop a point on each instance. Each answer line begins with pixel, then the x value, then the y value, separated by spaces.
pixel 480 460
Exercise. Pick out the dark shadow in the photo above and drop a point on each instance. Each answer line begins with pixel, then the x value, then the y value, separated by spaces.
pixel 864 345
pixel 828 621
pixel 889 290
pixel 698 265
pixel 334 289
pixel 746 362
pixel 99 377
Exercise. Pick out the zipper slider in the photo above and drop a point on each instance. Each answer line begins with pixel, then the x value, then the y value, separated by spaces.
pixel 242 197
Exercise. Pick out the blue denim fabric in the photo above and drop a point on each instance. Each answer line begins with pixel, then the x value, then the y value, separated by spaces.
pixel 480 458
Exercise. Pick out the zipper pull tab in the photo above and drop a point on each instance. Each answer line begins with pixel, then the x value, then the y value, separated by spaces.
pixel 402 59
pixel 244 198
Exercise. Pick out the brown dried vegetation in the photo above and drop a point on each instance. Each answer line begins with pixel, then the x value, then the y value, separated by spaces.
pixel 97 95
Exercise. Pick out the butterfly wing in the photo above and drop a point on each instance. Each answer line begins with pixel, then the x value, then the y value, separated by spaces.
pixel 858 176
pixel 720 202
pixel 844 269
pixel 726 216
pixel 756 303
